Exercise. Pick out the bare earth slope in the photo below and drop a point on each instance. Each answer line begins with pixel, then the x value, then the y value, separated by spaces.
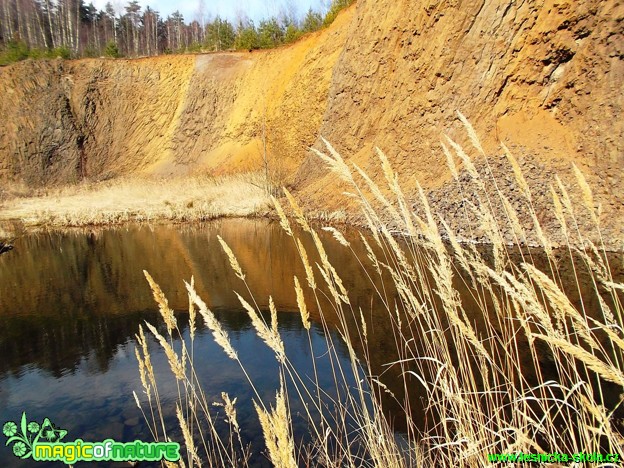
pixel 63 120
pixel 545 77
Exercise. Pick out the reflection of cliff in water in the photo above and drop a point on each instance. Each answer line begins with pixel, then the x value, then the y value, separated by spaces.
pixel 382 348
pixel 69 296
pixel 65 297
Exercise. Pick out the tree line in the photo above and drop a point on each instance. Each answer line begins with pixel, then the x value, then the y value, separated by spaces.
pixel 74 29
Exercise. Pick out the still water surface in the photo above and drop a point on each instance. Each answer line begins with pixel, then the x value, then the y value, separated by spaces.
pixel 71 303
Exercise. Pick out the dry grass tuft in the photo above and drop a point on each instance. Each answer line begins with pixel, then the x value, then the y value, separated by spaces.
pixel 483 367
pixel 124 200
pixel 277 434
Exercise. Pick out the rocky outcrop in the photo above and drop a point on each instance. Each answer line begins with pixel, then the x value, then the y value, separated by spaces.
pixel 519 70
pixel 543 76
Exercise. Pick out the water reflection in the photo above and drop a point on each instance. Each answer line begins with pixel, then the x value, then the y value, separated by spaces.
pixel 70 304
pixel 75 295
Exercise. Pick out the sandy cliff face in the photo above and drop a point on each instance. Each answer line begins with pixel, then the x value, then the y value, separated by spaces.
pixel 545 77
pixel 65 120
pixel 408 65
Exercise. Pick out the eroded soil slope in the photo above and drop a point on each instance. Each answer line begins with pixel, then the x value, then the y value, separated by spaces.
pixel 544 77
pixel 67 120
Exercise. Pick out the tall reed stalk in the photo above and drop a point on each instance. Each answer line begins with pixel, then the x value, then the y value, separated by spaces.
pixel 521 369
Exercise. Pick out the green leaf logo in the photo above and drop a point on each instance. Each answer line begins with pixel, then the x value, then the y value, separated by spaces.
pixel 25 435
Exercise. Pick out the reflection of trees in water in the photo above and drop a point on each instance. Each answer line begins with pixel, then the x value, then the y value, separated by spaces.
pixel 67 296
pixel 70 296
pixel 5 247
pixel 58 345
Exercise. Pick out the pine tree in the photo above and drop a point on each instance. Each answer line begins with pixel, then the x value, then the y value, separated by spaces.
pixel 313 21
pixel 246 36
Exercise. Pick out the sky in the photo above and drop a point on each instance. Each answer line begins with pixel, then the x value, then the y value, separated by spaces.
pixel 230 9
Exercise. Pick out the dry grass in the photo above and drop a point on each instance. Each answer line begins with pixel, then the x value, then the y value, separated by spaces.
pixel 487 388
pixel 119 201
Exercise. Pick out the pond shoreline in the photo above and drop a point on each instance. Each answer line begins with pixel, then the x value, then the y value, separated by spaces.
pixel 118 201
pixel 317 222
pixel 199 199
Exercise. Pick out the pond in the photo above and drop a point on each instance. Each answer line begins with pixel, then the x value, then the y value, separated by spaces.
pixel 72 302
